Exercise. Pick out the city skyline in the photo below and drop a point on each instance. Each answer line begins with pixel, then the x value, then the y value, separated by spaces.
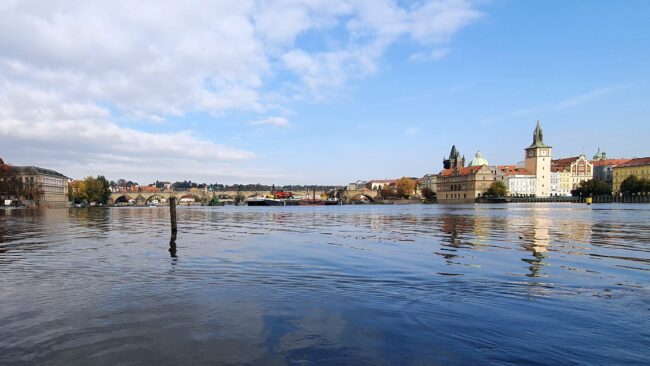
pixel 340 91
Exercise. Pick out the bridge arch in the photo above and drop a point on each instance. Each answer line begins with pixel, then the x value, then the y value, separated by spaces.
pixel 362 197
pixel 188 198
pixel 123 199
pixel 161 198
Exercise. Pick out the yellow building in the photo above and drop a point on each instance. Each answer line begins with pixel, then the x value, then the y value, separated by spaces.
pixel 639 167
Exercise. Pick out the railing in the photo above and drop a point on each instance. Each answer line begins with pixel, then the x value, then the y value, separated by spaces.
pixel 627 198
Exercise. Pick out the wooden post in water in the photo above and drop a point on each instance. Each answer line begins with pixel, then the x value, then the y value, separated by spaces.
pixel 172 214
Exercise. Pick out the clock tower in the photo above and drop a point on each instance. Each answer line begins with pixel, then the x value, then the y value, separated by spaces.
pixel 538 162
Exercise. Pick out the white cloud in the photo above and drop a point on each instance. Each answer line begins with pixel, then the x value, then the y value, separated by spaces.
pixel 272 121
pixel 587 97
pixel 436 54
pixel 72 72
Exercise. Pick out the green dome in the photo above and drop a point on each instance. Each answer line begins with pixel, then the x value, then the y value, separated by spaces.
pixel 478 160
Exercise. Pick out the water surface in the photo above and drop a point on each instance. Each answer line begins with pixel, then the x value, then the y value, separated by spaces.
pixel 516 284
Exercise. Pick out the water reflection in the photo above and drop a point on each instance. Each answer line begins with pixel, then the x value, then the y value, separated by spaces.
pixel 172 246
pixel 333 285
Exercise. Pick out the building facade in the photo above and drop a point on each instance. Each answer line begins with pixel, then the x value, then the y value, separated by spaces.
pixel 604 169
pixel 379 184
pixel 429 181
pixel 639 167
pixel 33 186
pixel 464 184
pixel 579 169
pixel 519 181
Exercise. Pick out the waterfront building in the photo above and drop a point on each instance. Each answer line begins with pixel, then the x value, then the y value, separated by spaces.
pixel 519 181
pixel 639 167
pixel 604 169
pixel 380 184
pixel 360 184
pixel 464 184
pixel 34 185
pixel 560 182
pixel 428 181
pixel 457 183
pixel 579 169
pixel 538 162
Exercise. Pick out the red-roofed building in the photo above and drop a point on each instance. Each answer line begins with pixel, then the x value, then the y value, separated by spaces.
pixel 464 184
pixel 604 169
pixel 519 180
pixel 571 172
pixel 639 167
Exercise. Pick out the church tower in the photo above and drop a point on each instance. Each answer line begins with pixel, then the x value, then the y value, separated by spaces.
pixel 455 160
pixel 538 162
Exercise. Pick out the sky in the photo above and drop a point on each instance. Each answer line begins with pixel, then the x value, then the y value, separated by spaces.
pixel 316 92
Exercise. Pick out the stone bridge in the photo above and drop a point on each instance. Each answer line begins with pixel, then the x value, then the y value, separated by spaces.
pixel 359 195
pixel 193 196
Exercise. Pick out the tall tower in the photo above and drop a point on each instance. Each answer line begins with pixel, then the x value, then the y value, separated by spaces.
pixel 538 162
pixel 455 160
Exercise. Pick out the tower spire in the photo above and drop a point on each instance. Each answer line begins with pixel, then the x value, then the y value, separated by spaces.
pixel 538 136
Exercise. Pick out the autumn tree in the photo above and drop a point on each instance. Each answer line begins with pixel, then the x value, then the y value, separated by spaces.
pixel 405 187
pixel 497 189
pixel 90 189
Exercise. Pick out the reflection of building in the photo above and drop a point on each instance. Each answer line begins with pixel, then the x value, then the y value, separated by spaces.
pixel 638 167
pixel 578 168
pixel 35 185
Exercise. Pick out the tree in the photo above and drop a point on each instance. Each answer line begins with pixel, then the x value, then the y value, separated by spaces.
pixel 405 187
pixel 77 191
pixel 388 193
pixel 497 189
pixel 95 189
pixel 592 187
pixel 633 184
pixel 429 195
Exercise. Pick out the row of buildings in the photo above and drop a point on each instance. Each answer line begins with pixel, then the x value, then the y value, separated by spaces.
pixel 539 175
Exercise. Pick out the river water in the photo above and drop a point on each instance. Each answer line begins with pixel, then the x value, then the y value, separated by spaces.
pixel 516 284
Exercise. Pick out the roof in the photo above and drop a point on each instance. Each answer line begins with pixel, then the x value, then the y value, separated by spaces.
pixel 609 162
pixel 564 161
pixel 514 170
pixel 461 171
pixel 382 181
pixel 478 160
pixel 635 162
pixel 30 170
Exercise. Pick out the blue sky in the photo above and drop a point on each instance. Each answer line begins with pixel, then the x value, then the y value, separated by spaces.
pixel 323 92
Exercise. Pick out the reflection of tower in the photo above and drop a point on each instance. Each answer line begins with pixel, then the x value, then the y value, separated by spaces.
pixel 538 162
pixel 541 239
pixel 455 160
